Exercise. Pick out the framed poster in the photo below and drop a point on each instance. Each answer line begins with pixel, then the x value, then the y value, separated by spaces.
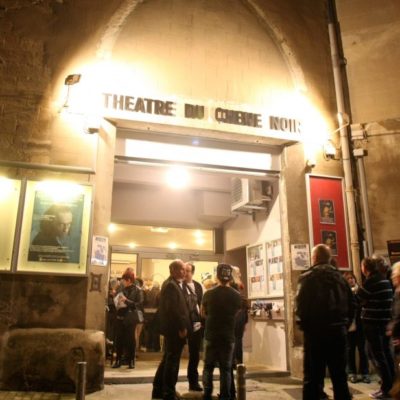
pixel 327 216
pixel 55 228
pixel 274 267
pixel 256 271
pixel 10 190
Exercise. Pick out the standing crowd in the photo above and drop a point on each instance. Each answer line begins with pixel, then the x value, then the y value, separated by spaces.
pixel 182 312
pixel 338 317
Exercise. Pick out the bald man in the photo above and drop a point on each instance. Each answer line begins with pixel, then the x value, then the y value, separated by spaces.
pixel 324 306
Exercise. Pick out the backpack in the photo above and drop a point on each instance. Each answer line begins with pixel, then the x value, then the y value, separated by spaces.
pixel 324 299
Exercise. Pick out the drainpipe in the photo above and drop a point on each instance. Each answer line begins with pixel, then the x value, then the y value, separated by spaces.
pixel 337 64
pixel 359 154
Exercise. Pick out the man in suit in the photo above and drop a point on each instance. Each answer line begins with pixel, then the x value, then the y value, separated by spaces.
pixel 194 298
pixel 174 325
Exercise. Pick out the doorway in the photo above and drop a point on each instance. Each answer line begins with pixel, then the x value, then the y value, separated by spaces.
pixel 238 204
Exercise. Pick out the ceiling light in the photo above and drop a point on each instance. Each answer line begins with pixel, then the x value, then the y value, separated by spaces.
pixel 172 245
pixel 112 228
pixel 200 241
pixel 198 234
pixel 131 245
pixel 159 229
pixel 177 177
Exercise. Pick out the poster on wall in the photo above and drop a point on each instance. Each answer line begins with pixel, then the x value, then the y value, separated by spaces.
pixel 326 211
pixel 9 201
pixel 275 267
pixel 55 228
pixel 300 255
pixel 327 216
pixel 256 271
pixel 99 251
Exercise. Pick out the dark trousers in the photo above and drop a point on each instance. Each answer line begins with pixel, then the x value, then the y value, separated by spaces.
pixel 125 340
pixel 379 348
pixel 322 349
pixel 194 344
pixel 356 340
pixel 221 352
pixel 167 372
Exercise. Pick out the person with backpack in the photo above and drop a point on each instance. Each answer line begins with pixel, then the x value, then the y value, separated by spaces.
pixel 325 309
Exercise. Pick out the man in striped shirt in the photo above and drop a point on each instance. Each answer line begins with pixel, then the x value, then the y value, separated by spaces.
pixel 376 297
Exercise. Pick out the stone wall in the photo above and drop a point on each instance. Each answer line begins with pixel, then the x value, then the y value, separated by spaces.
pixel 371 34
pixel 42 42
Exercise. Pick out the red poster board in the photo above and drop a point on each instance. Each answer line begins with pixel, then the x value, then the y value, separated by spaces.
pixel 327 216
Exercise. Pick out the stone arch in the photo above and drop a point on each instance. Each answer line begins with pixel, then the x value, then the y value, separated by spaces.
pixel 119 18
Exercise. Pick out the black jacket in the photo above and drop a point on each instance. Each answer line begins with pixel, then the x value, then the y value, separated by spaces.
pixel 134 300
pixel 324 300
pixel 173 309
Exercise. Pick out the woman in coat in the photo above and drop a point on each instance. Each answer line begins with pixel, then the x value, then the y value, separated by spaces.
pixel 128 303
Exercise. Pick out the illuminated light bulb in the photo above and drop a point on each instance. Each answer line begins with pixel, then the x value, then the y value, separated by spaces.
pixel 177 177
pixel 198 234
pixel 172 245
pixel 131 245
pixel 112 228
pixel 200 241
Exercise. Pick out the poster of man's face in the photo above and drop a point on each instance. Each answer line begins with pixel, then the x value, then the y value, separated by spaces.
pixel 329 239
pixel 56 229
pixel 326 211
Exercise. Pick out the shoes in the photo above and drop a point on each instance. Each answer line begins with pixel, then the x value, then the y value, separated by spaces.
pixel 366 379
pixel 117 364
pixel 379 395
pixel 353 378
pixel 131 365
pixel 195 388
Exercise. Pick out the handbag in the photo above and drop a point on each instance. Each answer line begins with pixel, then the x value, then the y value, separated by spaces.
pixel 133 317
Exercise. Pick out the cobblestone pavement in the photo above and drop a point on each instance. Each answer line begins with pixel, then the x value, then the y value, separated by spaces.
pixel 262 389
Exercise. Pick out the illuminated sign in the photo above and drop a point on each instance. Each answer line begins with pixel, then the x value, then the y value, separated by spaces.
pixel 210 116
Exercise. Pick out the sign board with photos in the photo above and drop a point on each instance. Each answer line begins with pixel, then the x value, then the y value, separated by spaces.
pixel 327 216
pixel 275 267
pixel 256 271
pixel 55 228
pixel 10 190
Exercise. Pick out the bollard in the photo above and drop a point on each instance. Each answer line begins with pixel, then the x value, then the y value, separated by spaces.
pixel 80 380
pixel 241 382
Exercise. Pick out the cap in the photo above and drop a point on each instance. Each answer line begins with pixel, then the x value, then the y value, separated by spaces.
pixel 224 272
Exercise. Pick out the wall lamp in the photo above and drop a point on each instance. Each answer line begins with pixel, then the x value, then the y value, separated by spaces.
pixel 69 81
pixel 329 151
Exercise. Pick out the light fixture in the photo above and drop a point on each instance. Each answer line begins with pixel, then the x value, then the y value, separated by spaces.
pixel 112 228
pixel 131 245
pixel 329 151
pixel 172 245
pixel 311 162
pixel 6 187
pixel 159 229
pixel 69 81
pixel 200 241
pixel 177 177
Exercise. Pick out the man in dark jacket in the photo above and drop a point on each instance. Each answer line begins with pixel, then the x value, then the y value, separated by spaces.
pixel 325 309
pixel 174 325
pixel 194 298
pixel 219 307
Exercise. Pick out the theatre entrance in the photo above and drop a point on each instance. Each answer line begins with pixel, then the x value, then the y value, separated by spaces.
pixel 206 202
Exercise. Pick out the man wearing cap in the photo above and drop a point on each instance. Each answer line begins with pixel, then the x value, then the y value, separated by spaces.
pixel 219 307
